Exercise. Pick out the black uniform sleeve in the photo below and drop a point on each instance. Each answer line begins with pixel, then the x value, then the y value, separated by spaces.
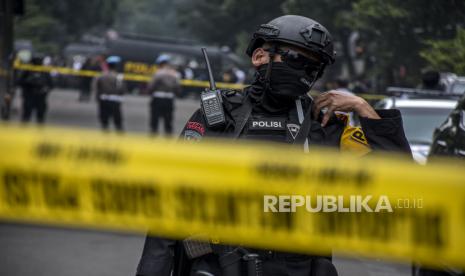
pixel 195 129
pixel 22 76
pixel 158 253
pixel 49 81
pixel 386 133
pixel 157 257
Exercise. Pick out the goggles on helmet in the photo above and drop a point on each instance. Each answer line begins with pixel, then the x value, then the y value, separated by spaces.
pixel 298 61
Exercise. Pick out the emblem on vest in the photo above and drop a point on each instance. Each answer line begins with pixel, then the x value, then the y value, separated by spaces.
pixel 191 135
pixel 266 124
pixel 293 130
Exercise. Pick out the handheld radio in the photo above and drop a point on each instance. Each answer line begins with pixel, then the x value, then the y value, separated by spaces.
pixel 210 100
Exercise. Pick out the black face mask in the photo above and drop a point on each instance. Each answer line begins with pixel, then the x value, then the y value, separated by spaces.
pixel 285 81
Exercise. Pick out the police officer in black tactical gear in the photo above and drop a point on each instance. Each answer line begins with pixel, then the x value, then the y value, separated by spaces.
pixel 449 138
pixel 35 87
pixel 289 53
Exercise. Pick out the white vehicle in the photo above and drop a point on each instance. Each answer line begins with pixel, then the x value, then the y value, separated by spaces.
pixel 457 86
pixel 420 117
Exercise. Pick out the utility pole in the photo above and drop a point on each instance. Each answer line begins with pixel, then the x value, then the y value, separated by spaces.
pixel 8 9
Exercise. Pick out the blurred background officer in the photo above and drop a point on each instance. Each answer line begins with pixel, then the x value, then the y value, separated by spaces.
pixel 109 89
pixel 94 63
pixel 431 80
pixel 35 88
pixel 449 138
pixel 163 88
pixel 343 85
pixel 289 53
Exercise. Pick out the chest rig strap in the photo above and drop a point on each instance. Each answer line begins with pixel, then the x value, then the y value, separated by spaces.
pixel 305 125
pixel 300 114
pixel 241 116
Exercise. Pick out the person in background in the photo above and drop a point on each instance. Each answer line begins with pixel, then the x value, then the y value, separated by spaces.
pixel 342 85
pixel 431 80
pixel 35 88
pixel 228 76
pixel 360 86
pixel 91 64
pixel 164 86
pixel 109 89
pixel 239 74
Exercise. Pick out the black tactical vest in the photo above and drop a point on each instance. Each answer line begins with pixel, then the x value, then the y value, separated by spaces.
pixel 275 128
pixel 281 128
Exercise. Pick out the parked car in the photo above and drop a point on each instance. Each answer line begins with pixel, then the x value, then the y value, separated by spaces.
pixel 420 117
pixel 457 86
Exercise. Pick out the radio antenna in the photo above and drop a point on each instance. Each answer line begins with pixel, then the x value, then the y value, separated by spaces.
pixel 209 69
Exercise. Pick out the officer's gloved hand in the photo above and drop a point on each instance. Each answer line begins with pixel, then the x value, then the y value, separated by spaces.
pixel 323 267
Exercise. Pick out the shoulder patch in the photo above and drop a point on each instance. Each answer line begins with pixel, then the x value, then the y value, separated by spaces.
pixel 190 135
pixel 353 140
pixel 196 126
pixel 358 136
pixel 194 131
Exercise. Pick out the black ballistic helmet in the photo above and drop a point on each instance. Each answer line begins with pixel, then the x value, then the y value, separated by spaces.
pixel 299 31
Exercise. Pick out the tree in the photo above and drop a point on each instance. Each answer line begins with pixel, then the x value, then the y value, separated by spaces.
pixel 447 55
pixel 150 17
pixel 40 28
pixel 227 22
pixel 52 25
pixel 334 15
pixel 392 33
pixel 399 28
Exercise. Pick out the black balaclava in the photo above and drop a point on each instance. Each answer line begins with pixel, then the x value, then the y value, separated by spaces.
pixel 277 86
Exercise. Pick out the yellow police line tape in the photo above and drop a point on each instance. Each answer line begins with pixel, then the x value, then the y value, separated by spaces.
pixel 145 78
pixel 128 77
pixel 115 182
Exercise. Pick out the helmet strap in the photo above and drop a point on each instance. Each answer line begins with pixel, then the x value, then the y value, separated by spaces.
pixel 316 77
pixel 272 54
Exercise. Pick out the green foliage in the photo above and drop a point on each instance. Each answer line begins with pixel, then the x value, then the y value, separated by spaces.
pixel 50 25
pixel 224 22
pixel 447 55
pixel 395 33
pixel 400 27
pixel 150 17
pixel 334 15
pixel 379 9
pixel 39 28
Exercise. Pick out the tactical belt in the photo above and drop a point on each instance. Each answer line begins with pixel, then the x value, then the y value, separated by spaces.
pixel 110 97
pixel 196 248
pixel 163 95
pixel 231 258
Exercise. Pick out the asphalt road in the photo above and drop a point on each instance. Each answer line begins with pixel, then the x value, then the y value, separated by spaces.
pixel 64 109
pixel 39 250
